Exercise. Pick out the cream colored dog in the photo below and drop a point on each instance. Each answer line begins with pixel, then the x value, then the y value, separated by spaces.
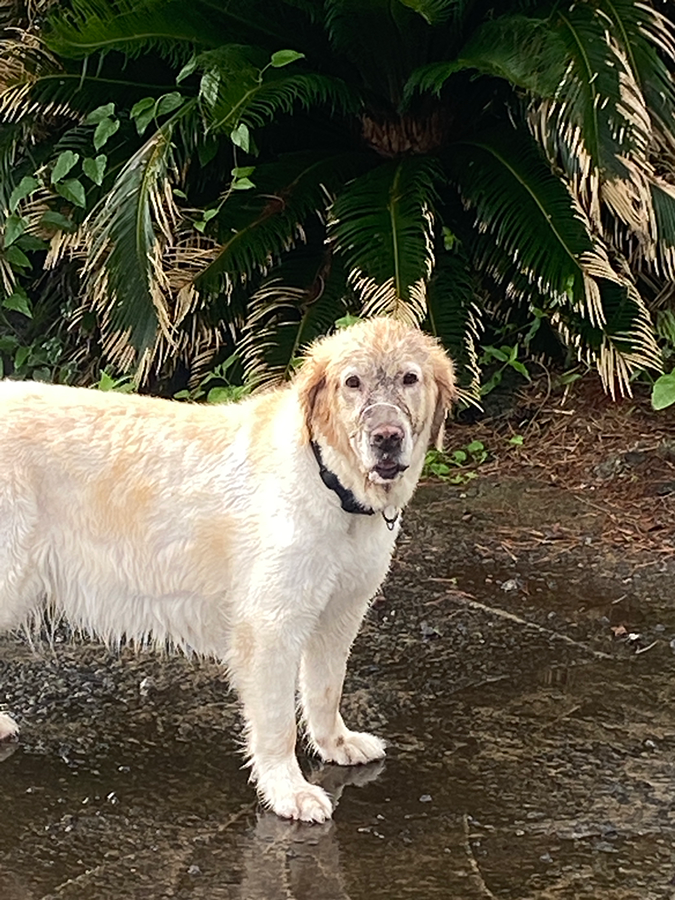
pixel 255 532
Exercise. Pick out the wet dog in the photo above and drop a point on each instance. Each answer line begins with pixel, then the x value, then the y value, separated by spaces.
pixel 254 532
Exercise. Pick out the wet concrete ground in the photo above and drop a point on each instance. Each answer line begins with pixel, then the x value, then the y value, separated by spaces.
pixel 521 669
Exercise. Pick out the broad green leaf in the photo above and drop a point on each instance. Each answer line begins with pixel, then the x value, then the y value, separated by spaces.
pixel 17 258
pixel 73 190
pixel 169 102
pixel 8 343
pixel 663 392
pixel 240 137
pixel 140 107
pixel 53 219
pixel 243 171
pixel 95 168
pixel 242 184
pixel 30 242
pixel 21 356
pixel 19 302
pixel 14 228
pixel 64 164
pixel 143 112
pixel 99 114
pixel 26 186
pixel 104 130
pixel 187 70
pixel 284 57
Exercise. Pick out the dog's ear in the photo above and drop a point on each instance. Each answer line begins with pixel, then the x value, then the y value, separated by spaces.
pixel 446 391
pixel 310 383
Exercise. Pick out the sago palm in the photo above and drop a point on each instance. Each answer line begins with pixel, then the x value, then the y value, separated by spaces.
pixel 247 172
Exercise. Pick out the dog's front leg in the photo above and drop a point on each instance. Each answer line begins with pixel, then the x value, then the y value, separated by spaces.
pixel 264 668
pixel 322 672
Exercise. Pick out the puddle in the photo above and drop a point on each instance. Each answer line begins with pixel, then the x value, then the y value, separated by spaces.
pixel 532 748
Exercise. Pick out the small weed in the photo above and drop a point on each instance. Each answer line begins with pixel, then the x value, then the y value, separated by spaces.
pixel 216 386
pixel 454 466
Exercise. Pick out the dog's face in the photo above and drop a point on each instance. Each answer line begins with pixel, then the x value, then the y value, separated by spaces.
pixel 378 391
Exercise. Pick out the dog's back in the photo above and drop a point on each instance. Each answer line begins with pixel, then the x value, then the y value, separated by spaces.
pixel 122 511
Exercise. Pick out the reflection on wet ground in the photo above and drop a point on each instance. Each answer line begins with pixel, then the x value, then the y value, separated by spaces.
pixel 525 686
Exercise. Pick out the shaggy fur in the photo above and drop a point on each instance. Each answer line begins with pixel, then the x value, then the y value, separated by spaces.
pixel 210 528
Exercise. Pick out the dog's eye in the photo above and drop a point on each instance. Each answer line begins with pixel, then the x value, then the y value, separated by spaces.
pixel 410 378
pixel 353 381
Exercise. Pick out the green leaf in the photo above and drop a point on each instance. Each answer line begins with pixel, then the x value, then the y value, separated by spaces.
pixel 8 343
pixel 21 356
pixel 475 447
pixel 94 169
pixel 240 137
pixel 19 302
pixel 520 368
pixel 143 112
pixel 104 130
pixel 73 190
pixel 516 440
pixel 242 184
pixel 663 392
pixel 169 102
pixel 30 242
pixel 64 164
pixel 14 228
pixel 53 219
pixel 26 186
pixel 187 70
pixel 17 258
pixel 284 57
pixel 99 114
pixel 243 171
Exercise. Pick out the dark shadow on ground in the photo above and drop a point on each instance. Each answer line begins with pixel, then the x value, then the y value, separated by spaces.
pixel 521 669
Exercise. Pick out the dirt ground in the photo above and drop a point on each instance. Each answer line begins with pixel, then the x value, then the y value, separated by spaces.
pixel 520 662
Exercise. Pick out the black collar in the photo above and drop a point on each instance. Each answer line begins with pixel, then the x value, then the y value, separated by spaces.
pixel 347 499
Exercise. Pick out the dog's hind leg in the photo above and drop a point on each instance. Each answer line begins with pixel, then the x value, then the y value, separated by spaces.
pixel 322 673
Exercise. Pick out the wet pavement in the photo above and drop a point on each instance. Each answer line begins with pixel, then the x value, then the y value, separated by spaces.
pixel 521 669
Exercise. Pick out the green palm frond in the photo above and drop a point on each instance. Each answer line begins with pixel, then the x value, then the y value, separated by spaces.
pixel 591 109
pixel 437 12
pixel 124 240
pixel 301 301
pixel 257 227
pixel 454 313
pixel 523 51
pixel 172 27
pixel 523 213
pixel 381 225
pixel 238 85
pixel 648 40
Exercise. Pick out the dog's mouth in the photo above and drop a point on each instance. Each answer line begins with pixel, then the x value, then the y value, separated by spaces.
pixel 388 469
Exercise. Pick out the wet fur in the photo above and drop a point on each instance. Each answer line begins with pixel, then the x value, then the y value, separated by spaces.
pixel 209 527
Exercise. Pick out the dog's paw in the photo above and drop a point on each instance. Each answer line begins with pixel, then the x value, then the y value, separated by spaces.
pixel 8 727
pixel 305 802
pixel 351 748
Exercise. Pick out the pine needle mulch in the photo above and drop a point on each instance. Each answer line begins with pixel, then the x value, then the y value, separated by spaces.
pixel 616 458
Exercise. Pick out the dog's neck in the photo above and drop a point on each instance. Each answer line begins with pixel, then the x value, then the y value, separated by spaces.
pixel 349 501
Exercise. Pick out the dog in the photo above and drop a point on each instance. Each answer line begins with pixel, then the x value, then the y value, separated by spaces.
pixel 254 532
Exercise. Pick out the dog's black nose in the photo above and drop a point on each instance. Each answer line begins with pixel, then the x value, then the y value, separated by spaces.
pixel 387 439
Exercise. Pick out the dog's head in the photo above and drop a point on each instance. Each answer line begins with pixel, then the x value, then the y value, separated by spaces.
pixel 379 392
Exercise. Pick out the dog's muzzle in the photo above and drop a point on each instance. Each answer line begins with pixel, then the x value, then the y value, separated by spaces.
pixel 387 440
